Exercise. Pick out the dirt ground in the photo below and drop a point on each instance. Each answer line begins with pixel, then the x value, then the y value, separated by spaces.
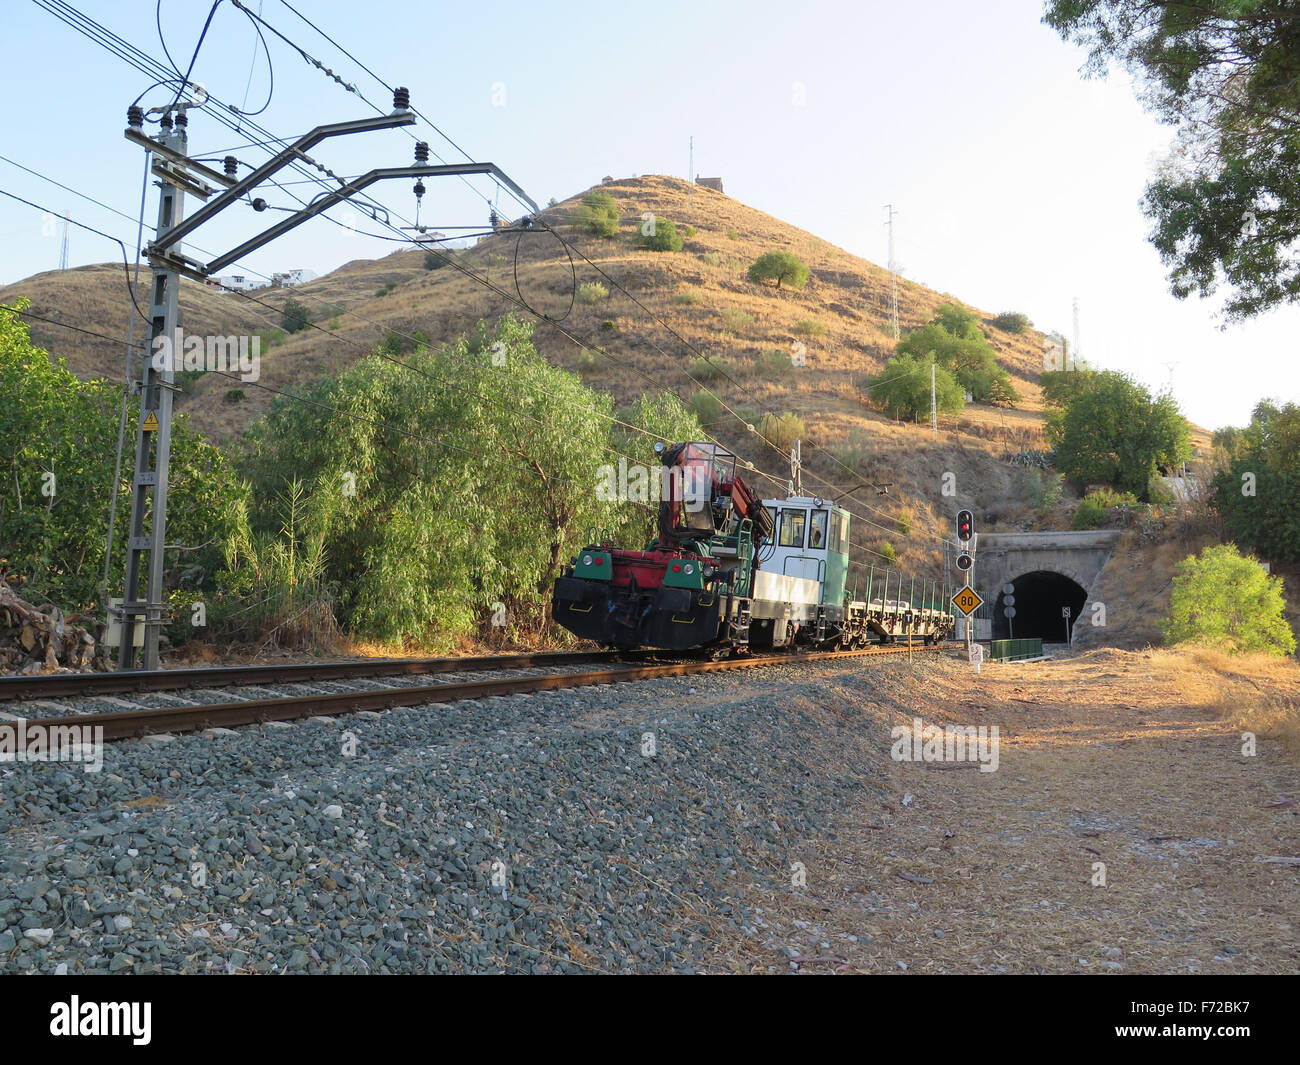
pixel 1124 831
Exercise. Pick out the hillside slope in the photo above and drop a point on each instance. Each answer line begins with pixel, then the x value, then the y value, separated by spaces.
pixel 695 302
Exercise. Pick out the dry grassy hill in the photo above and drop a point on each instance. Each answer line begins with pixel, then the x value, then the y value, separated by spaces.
pixel 696 301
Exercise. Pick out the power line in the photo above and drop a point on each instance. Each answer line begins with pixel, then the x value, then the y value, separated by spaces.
pixel 126 269
pixel 727 406
pixel 140 59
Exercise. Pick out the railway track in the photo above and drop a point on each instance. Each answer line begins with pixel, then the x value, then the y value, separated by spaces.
pixel 137 722
pixel 82 685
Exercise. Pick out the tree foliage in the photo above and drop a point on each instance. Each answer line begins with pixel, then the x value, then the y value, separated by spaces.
pixel 294 316
pixel 661 236
pixel 781 267
pixel 1012 322
pixel 456 484
pixel 57 437
pixel 903 388
pixel 597 214
pixel 1226 73
pixel 1224 599
pixel 1258 490
pixel 1112 432
pixel 954 340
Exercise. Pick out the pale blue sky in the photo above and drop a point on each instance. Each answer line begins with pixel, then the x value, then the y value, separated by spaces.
pixel 1016 182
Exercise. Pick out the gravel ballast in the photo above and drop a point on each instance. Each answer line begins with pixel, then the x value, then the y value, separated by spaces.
pixel 594 829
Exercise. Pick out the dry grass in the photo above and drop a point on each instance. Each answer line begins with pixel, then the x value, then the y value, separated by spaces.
pixel 1129 759
pixel 689 293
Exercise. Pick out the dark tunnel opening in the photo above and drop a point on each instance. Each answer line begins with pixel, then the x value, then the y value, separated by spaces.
pixel 1039 599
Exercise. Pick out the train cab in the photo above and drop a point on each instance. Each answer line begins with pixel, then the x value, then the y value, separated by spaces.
pixel 811 541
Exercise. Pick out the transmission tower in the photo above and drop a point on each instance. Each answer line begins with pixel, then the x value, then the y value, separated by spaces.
pixel 63 250
pixel 1074 350
pixel 893 271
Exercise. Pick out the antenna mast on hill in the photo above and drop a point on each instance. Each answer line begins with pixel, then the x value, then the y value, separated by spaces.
pixel 1074 352
pixel 893 274
pixel 63 251
pixel 690 175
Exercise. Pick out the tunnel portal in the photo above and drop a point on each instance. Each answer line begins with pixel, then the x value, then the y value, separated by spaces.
pixel 1039 599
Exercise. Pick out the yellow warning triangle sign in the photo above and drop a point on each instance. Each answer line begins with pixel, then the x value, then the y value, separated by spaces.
pixel 151 422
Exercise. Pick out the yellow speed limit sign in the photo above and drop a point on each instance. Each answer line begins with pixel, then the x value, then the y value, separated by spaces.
pixel 967 600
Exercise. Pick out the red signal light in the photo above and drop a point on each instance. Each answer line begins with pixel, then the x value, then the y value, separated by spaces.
pixel 965 525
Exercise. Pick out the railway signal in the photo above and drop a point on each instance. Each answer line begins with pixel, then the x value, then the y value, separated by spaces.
pixel 965 526
pixel 965 560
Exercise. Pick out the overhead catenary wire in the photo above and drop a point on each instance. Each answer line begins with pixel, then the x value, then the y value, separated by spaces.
pixel 703 387
pixel 553 322
pixel 139 59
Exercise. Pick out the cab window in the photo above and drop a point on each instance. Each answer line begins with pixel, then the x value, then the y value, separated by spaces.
pixel 791 532
pixel 817 532
pixel 835 543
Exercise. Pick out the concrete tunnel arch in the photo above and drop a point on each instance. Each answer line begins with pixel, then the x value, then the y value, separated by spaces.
pixel 1040 596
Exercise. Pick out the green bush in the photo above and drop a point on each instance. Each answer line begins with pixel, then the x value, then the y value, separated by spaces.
pixel 772 362
pixel 706 407
pixel 294 316
pixel 1257 489
pixel 712 258
pixel 1094 509
pixel 1160 494
pixel 782 430
pixel 1227 600
pixel 435 260
pixel 688 232
pixel 1042 492
pixel 53 423
pixel 407 540
pixel 592 292
pixel 687 297
pixel 903 388
pixel 597 215
pixel 953 340
pixel 737 320
pixel 857 451
pixel 733 233
pixel 889 554
pixel 235 395
pixel 1012 322
pixel 905 524
pixel 706 369
pixel 781 267
pixel 1091 513
pixel 609 325
pixel 662 236
pixel 809 327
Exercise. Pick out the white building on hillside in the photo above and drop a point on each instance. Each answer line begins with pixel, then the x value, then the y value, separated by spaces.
pixel 239 282
pixel 291 277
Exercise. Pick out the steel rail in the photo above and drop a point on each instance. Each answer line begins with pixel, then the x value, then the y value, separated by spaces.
pixel 47 686
pixel 130 724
